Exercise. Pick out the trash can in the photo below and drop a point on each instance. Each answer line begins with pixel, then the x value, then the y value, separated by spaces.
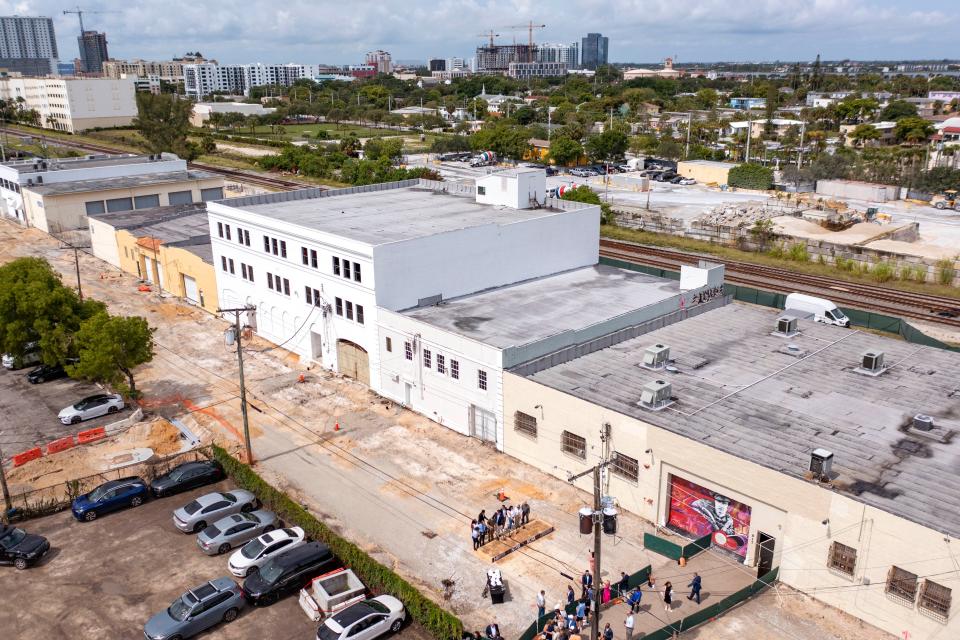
pixel 496 594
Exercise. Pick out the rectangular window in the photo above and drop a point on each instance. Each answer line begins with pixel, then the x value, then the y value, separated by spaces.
pixel 230 262
pixel 482 380
pixel 441 363
pixel 336 266
pixel 360 314
pixel 214 193
pixel 146 202
pixel 902 585
pixel 842 559
pixel 626 467
pixel 120 204
pixel 573 444
pixel 94 207
pixel 408 351
pixel 935 600
pixel 222 258
pixel 286 287
pixel 226 230
pixel 180 197
pixel 246 237
pixel 308 295
pixel 269 280
pixel 273 245
pixel 349 310
pixel 220 229
pixel 266 244
pixel 239 235
pixel 427 359
pixel 339 306
pixel 389 344
pixel 481 191
pixel 243 270
pixel 356 271
pixel 303 255
pixel 313 258
pixel 455 369
pixel 283 248
pixel 525 424
pixel 346 269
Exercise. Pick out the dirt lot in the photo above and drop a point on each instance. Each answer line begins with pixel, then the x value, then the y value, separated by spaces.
pixel 30 410
pixel 105 578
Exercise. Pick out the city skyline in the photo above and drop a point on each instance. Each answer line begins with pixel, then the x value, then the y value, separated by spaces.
pixel 638 31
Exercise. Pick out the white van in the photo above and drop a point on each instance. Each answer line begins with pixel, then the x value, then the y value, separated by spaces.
pixel 822 309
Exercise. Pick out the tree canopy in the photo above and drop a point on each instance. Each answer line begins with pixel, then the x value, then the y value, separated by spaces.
pixel 164 121
pixel 109 349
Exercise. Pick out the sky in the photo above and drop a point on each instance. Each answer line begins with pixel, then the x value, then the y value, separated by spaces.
pixel 279 31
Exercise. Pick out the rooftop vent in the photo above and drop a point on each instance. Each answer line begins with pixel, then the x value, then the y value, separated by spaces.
pixel 871 363
pixel 794 350
pixel 923 422
pixel 656 357
pixel 821 464
pixel 786 327
pixel 656 395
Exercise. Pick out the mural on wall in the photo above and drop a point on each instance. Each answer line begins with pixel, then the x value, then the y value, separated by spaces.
pixel 698 511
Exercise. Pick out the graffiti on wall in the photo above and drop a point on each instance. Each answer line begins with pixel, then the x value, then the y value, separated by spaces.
pixel 698 511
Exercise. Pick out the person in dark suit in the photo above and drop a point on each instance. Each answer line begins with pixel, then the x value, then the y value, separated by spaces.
pixel 493 631
pixel 695 585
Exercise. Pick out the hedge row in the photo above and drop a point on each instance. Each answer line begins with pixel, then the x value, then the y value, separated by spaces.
pixel 279 144
pixel 440 623
pixel 751 176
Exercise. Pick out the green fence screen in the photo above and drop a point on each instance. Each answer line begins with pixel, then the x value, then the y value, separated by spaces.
pixel 693 548
pixel 663 547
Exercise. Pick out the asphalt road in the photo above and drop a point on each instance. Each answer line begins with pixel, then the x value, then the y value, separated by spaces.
pixel 30 410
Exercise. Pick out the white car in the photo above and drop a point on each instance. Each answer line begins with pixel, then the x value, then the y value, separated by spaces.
pixel 688 181
pixel 365 620
pixel 91 407
pixel 250 557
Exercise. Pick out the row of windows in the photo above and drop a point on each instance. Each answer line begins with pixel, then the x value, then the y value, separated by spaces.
pixel 246 272
pixel 150 200
pixel 309 257
pixel 342 268
pixel 9 185
pixel 278 284
pixel 454 368
pixel 345 309
pixel 277 248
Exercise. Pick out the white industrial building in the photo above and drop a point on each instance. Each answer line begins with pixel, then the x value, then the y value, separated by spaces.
pixel 74 104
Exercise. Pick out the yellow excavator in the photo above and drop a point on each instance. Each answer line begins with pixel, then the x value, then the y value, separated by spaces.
pixel 946 200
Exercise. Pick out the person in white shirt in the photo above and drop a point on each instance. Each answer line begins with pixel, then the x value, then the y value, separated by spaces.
pixel 628 624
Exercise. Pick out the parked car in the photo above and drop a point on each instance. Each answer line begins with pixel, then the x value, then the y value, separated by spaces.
pixel 552 171
pixel 91 407
pixel 46 373
pixel 289 572
pixel 581 173
pixel 666 176
pixel 365 620
pixel 688 181
pixel 110 496
pixel 31 356
pixel 186 476
pixel 676 179
pixel 197 610
pixel 624 168
pixel 19 548
pixel 233 531
pixel 194 516
pixel 257 552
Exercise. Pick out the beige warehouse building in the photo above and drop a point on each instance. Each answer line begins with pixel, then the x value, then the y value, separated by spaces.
pixel 706 171
pixel 727 438
pixel 74 104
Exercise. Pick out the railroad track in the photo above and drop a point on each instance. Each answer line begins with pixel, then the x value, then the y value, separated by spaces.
pixel 852 294
pixel 270 182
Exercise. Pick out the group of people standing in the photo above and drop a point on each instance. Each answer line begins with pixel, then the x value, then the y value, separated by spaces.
pixel 486 529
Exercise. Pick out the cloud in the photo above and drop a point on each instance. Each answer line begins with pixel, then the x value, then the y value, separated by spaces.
pixel 639 30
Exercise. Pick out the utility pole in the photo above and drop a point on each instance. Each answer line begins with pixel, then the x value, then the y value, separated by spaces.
pixel 76 263
pixel 686 155
pixel 243 389
pixel 749 135
pixel 7 505
pixel 803 130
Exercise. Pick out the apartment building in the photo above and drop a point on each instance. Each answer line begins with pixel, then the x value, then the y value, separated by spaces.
pixel 202 79
pixel 74 104
pixel 28 45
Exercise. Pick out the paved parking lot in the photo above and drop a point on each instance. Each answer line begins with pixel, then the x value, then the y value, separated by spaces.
pixel 104 579
pixel 30 410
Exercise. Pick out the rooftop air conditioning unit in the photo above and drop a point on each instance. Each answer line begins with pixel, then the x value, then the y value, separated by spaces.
pixel 821 464
pixel 871 363
pixel 656 356
pixel 786 326
pixel 656 395
pixel 923 422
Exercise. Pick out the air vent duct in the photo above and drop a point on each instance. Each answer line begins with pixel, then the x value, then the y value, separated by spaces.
pixel 821 464
pixel 656 395
pixel 923 422
pixel 656 357
pixel 871 363
pixel 786 327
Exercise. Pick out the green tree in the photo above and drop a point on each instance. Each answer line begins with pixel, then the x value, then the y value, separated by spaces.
pixel 669 149
pixel 507 141
pixel 164 121
pixel 913 130
pixel 583 193
pixel 564 151
pixel 864 133
pixel 609 145
pixel 389 148
pixel 349 143
pixel 751 176
pixel 897 109
pixel 110 348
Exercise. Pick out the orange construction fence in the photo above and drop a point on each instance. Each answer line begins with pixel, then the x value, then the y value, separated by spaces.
pixel 27 456
pixel 60 445
pixel 91 434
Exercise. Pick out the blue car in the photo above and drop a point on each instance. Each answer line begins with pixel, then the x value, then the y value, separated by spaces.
pixel 110 496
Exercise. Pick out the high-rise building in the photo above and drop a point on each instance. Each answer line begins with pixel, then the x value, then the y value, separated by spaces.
pixel 437 64
pixel 380 60
pixel 28 45
pixel 456 63
pixel 594 50
pixel 93 51
pixel 568 53
pixel 498 57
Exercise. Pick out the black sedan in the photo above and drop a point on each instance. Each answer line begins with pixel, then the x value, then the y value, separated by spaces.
pixel 186 476
pixel 45 373
pixel 19 548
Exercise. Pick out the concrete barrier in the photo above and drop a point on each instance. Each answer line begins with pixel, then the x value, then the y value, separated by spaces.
pixel 60 445
pixel 120 425
pixel 91 435
pixel 27 456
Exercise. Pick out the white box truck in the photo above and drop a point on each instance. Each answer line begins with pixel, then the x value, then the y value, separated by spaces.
pixel 822 309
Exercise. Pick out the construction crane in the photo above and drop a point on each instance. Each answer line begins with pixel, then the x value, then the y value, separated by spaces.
pixel 80 12
pixel 489 34
pixel 529 27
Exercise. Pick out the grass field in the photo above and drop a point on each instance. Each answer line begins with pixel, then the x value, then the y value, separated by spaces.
pixel 309 131
pixel 731 253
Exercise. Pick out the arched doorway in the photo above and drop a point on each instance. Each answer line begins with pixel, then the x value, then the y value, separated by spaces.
pixel 353 361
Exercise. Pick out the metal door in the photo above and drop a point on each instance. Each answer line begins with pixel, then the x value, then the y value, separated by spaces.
pixel 190 290
pixel 765 546
pixel 483 424
pixel 148 263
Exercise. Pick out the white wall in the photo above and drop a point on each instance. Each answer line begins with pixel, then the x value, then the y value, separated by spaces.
pixel 67 171
pixel 103 242
pixel 438 396
pixel 514 191
pixel 470 260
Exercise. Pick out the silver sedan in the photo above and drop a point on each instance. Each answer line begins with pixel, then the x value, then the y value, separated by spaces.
pixel 194 516
pixel 235 530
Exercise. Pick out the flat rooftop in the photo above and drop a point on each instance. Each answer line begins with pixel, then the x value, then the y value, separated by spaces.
pixel 184 226
pixel 386 213
pixel 145 217
pixel 737 390
pixel 122 182
pixel 91 161
pixel 536 309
